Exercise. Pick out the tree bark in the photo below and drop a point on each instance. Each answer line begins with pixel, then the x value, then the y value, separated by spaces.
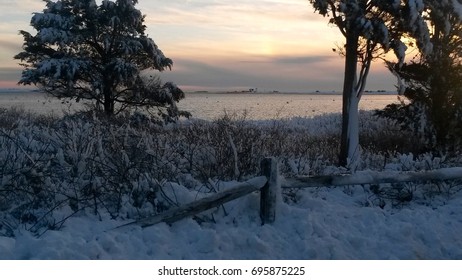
pixel 108 103
pixel 350 126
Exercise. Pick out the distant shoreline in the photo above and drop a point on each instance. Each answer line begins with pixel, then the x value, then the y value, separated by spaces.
pixel 289 92
pixel 378 92
pixel 19 90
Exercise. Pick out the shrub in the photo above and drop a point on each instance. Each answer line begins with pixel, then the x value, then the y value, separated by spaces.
pixel 53 168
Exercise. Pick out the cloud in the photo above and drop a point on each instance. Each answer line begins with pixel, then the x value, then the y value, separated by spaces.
pixel 10 45
pixel 17 14
pixel 10 74
pixel 235 74
pixel 273 44
pixel 302 59
pixel 198 73
pixel 282 73
pixel 290 59
pixel 241 15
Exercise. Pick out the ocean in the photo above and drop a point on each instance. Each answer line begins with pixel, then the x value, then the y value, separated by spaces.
pixel 210 106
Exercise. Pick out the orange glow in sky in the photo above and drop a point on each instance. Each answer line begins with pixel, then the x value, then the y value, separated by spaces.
pixel 220 45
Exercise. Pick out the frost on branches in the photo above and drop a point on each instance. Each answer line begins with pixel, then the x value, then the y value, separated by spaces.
pixel 97 52
pixel 371 28
pixel 432 83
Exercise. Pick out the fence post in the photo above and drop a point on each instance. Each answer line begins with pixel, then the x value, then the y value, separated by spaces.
pixel 270 192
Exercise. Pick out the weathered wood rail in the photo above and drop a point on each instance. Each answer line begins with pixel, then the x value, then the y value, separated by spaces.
pixel 373 177
pixel 270 188
pixel 267 184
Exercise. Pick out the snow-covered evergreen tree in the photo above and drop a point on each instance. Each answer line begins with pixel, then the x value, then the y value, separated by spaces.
pixel 432 107
pixel 83 50
pixel 369 25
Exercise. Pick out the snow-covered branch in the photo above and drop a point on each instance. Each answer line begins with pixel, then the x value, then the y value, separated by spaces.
pixel 79 44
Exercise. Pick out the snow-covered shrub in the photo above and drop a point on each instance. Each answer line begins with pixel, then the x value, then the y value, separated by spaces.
pixel 27 180
pixel 81 164
pixel 86 165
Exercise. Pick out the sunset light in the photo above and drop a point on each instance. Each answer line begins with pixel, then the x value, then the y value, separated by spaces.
pixel 236 139
pixel 219 45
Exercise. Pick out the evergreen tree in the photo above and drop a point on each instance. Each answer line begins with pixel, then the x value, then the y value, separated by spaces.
pixel 432 83
pixel 96 52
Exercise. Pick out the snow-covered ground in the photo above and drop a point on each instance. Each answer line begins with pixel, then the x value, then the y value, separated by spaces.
pixel 351 222
pixel 322 224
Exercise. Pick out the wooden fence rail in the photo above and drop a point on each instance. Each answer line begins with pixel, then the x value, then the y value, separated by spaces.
pixel 373 177
pixel 267 184
pixel 269 187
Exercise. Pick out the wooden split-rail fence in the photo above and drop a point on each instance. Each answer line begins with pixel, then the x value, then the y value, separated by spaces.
pixel 269 186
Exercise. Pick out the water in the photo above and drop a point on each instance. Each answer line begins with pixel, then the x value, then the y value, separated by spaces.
pixel 214 105
pixel 38 102
pixel 274 105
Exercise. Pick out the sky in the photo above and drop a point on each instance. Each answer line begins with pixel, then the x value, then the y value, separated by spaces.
pixel 225 45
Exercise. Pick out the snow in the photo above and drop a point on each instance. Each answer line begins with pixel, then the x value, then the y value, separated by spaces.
pixel 354 150
pixel 323 224
pixel 315 223
pixel 457 6
pixel 400 51
pixel 63 28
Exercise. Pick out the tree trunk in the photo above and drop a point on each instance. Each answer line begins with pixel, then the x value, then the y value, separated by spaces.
pixel 108 99
pixel 349 143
